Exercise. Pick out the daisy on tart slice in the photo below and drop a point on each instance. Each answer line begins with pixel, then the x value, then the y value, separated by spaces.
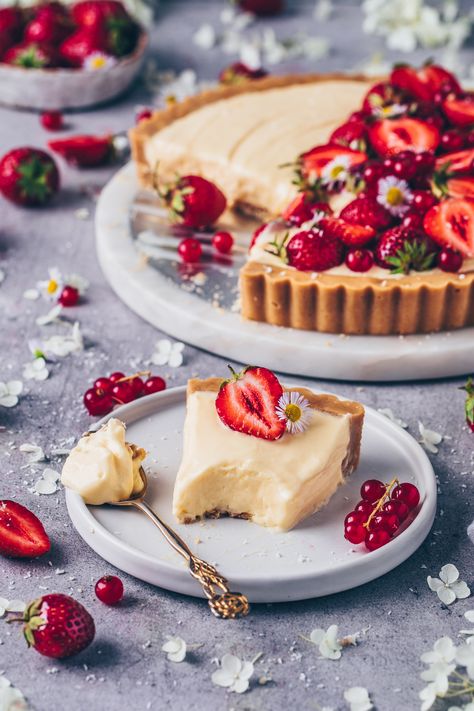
pixel 255 450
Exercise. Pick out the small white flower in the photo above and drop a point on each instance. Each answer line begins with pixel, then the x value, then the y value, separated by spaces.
pixel 295 410
pixel 9 393
pixel 389 111
pixel 394 194
pixel 429 438
pixel 36 370
pixel 205 37
pixel 64 345
pixel 51 317
pixel 11 606
pixel 233 674
pixel 336 171
pixel 175 649
pixel 469 615
pixel 98 61
pixel 448 587
pixel 358 699
pixel 48 482
pixel 52 287
pixel 441 665
pixel 465 657
pixel 36 453
pixel 389 414
pixel 168 353
pixel 328 643
pixel 428 696
pixel 11 698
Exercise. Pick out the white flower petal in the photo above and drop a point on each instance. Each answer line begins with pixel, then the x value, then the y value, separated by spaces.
pixel 8 400
pixel 246 670
pixel 449 573
pixel 42 486
pixel 51 475
pixel 175 359
pixel 16 606
pixel 240 685
pixel 446 595
pixel 461 589
pixel 231 664
pixel 221 678
pixel 434 583
pixel 15 387
pixel 317 636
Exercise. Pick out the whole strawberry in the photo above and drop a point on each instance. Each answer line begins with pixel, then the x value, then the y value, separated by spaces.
pixel 28 177
pixel 402 250
pixel 368 212
pixel 11 21
pixel 313 250
pixel 78 46
pixel 469 404
pixel 58 626
pixel 49 25
pixel 32 55
pixel 89 13
pixel 194 201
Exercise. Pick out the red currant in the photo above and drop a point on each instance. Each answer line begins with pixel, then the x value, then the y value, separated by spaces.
pixel 143 115
pixel 138 386
pixel 451 141
pixel 115 377
pixel 123 392
pixel 69 296
pixel 365 508
pixel 103 385
pixel 377 539
pixel 425 162
pixel 223 242
pixel 109 589
pixel 404 166
pixel 52 120
pixel 469 138
pixel 449 261
pixel 359 260
pixel 413 220
pixel 354 517
pixel 408 493
pixel 386 521
pixel 396 507
pixel 190 250
pixel 423 200
pixel 154 384
pixel 372 173
pixel 372 490
pixel 97 404
pixel 354 533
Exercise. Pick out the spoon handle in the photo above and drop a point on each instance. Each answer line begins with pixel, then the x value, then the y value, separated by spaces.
pixel 222 601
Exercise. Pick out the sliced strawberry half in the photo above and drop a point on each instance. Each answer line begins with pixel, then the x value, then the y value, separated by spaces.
pixel 451 223
pixel 424 83
pixel 302 209
pixel 84 150
pixel 368 212
pixel 351 133
pixel 351 234
pixel 313 161
pixel 460 112
pixel 460 187
pixel 22 534
pixel 391 136
pixel 458 162
pixel 247 403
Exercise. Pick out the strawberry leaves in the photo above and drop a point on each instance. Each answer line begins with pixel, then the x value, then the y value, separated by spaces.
pixel 469 404
pixel 413 255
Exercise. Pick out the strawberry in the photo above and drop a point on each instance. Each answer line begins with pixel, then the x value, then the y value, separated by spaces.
pixel 314 250
pixel 57 626
pixel 5 43
pixel 302 209
pixel 261 7
pixel 257 234
pixel 11 21
pixel 311 164
pixel 402 250
pixel 247 403
pixel 458 162
pixel 391 136
pixel 460 187
pixel 81 44
pixel 238 72
pixel 353 235
pixel 378 95
pixel 84 151
pixel 368 212
pixel 22 534
pixel 28 177
pixel 32 55
pixel 110 20
pixel 469 404
pixel 451 223
pixel 426 82
pixel 90 13
pixel 194 201
pixel 352 134
pixel 460 111
pixel 50 25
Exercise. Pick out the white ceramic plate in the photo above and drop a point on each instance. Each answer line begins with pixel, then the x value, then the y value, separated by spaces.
pixel 187 311
pixel 312 560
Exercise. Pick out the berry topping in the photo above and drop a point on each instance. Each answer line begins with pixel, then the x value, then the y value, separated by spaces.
pixel 193 201
pixel 58 626
pixel 52 120
pixel 312 163
pixel 460 111
pixel 28 177
pixel 314 250
pixel 353 235
pixel 143 115
pixel 352 134
pixel 451 224
pixel 32 55
pixel 84 151
pixel 247 403
pixel 302 209
pixel 109 589
pixel 458 162
pixel 22 534
pixel 98 403
pixel 449 261
pixel 367 212
pixel 402 250
pixel 359 260
pixel 377 539
pixel 190 250
pixel 261 7
pixel 426 82
pixel 391 136
pixel 355 533
pixel 223 242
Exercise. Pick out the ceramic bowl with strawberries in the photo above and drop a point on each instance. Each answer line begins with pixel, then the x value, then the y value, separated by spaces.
pixel 54 56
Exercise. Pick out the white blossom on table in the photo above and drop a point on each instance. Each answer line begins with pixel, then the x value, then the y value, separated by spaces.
pixel 60 345
pixel 11 698
pixel 36 370
pixel 330 647
pixel 233 673
pixel 448 587
pixel 175 649
pixel 168 353
pixel 11 606
pixel 47 483
pixel 358 699
pixel 388 413
pixel 9 393
pixel 429 439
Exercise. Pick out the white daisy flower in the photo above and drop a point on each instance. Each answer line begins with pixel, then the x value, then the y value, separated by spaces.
pixel 448 587
pixel 394 195
pixel 389 111
pixel 36 370
pixel 295 410
pixel 98 61
pixel 233 674
pixel 51 288
pixel 9 393
pixel 175 649
pixel 336 171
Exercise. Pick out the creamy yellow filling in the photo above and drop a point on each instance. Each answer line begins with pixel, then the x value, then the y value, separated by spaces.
pixel 103 467
pixel 277 483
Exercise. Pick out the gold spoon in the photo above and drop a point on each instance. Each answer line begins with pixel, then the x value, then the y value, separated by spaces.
pixel 222 601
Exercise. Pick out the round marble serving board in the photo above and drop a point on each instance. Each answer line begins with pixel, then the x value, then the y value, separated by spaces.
pixel 312 560
pixel 198 303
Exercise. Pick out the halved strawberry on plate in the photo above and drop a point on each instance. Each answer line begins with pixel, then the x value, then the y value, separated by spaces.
pixel 458 162
pixel 450 223
pixel 391 136
pixel 312 163
pixel 247 403
pixel 460 111
pixel 22 534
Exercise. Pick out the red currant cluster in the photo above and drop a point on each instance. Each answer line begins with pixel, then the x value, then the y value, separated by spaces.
pixel 118 389
pixel 380 513
pixel 190 248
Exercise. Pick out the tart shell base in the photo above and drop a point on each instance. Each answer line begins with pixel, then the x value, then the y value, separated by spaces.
pixel 421 303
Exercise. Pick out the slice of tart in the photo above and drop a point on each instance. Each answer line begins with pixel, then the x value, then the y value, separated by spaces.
pixel 247 453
